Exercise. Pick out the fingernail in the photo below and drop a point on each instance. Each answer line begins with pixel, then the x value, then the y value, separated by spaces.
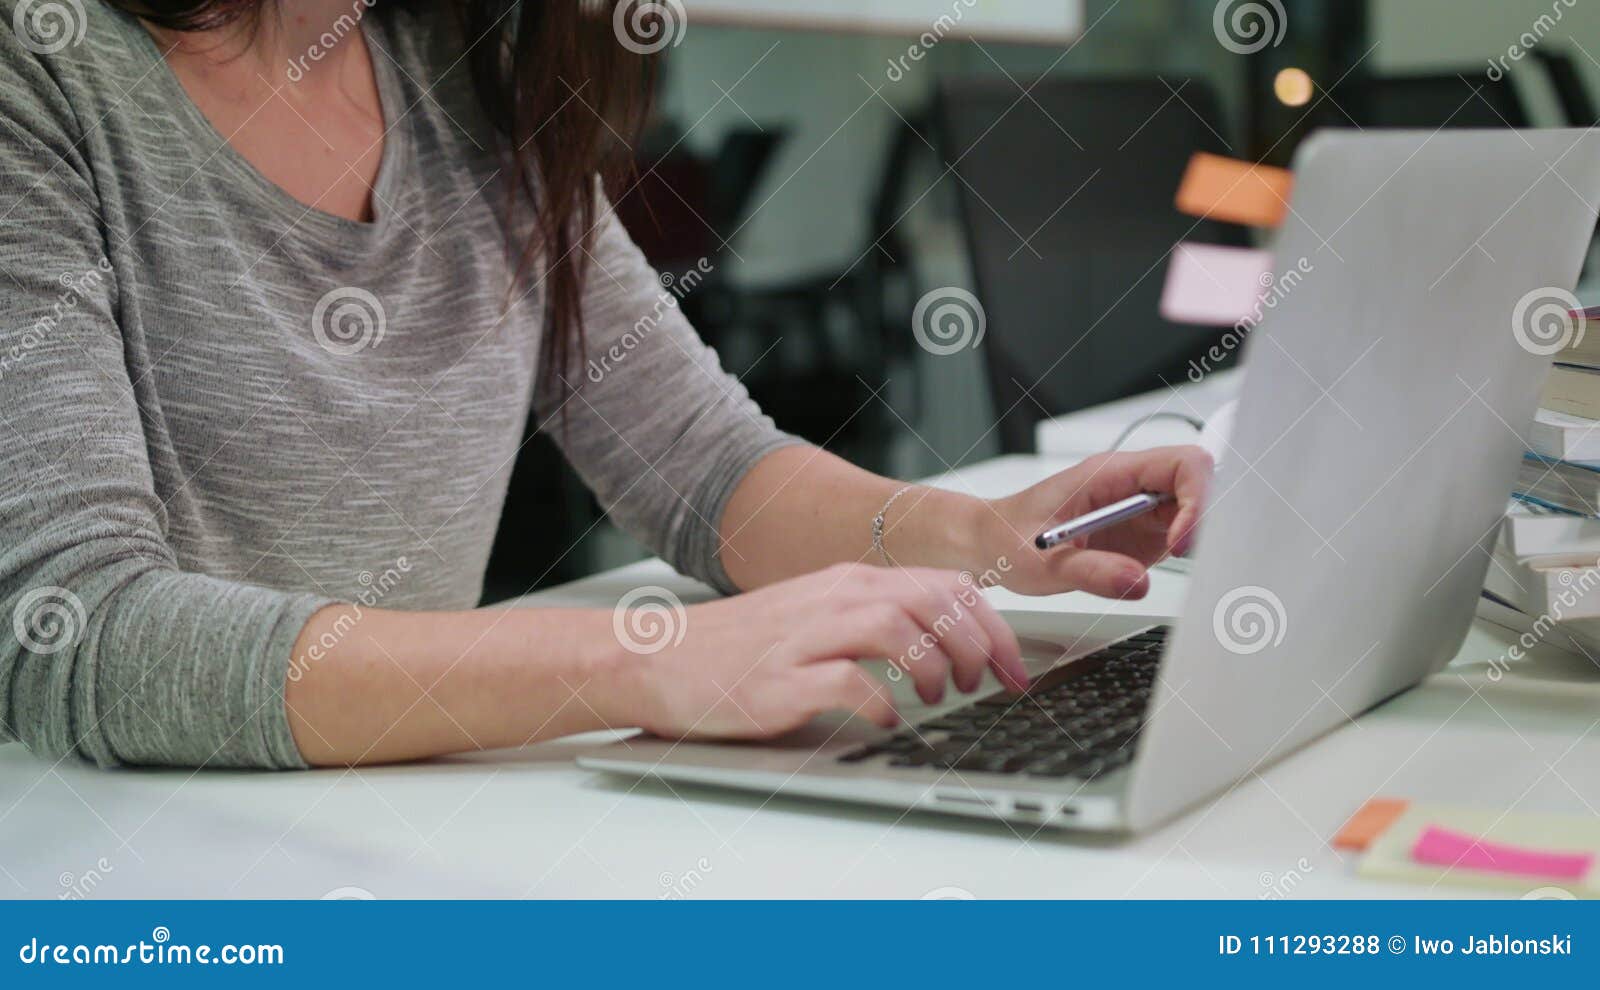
pixel 1185 530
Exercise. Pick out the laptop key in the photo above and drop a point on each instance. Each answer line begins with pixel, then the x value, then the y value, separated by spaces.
pixel 1015 764
pixel 1056 766
pixel 860 753
pixel 980 761
pixel 1004 699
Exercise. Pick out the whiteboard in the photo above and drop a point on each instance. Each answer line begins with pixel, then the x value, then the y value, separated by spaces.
pixel 1044 21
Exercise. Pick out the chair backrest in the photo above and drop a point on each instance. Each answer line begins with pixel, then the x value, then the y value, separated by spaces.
pixel 1576 103
pixel 1067 199
pixel 739 166
pixel 1428 101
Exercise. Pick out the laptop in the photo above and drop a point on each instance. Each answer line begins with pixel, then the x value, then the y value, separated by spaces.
pixel 1348 531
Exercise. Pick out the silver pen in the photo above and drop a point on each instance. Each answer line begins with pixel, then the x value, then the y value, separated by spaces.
pixel 1093 522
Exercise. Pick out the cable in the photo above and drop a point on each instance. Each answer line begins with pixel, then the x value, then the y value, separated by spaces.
pixel 1122 437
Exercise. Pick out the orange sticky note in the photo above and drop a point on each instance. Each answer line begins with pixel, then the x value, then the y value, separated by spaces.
pixel 1371 821
pixel 1218 188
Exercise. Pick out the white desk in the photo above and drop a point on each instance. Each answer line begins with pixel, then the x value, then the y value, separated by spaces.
pixel 1093 430
pixel 529 823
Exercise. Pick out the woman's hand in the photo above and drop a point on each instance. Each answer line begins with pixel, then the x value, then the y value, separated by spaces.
pixel 767 662
pixel 1113 561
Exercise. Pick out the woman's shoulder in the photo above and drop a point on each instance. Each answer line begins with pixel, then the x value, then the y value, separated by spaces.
pixel 70 59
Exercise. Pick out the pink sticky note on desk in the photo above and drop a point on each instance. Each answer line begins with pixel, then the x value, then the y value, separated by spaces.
pixel 1215 286
pixel 1441 847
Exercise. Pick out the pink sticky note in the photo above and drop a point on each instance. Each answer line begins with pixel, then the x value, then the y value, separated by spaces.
pixel 1441 847
pixel 1215 286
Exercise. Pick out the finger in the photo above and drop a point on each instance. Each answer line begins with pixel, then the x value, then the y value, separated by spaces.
pixel 945 609
pixel 843 685
pixel 1159 519
pixel 1145 545
pixel 1184 472
pixel 1005 653
pixel 952 607
pixel 1191 481
pixel 884 628
pixel 1180 535
pixel 1101 572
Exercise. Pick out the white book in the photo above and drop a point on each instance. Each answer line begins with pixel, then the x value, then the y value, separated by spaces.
pixel 1563 586
pixel 1564 436
pixel 1549 533
pixel 1518 597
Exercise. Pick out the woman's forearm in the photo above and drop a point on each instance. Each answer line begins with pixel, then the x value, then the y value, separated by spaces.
pixel 801 508
pixel 375 686
pixel 378 686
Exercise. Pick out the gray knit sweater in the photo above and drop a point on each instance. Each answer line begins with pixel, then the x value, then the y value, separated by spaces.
pixel 221 409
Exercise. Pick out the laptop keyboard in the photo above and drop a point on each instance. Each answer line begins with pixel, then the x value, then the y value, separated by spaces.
pixel 1080 719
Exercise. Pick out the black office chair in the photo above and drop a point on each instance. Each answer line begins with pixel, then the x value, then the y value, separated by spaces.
pixel 1577 105
pixel 1465 99
pixel 1085 172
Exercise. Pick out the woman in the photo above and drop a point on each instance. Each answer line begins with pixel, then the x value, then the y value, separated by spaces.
pixel 284 281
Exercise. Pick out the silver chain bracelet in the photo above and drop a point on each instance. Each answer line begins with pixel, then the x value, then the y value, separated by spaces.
pixel 878 523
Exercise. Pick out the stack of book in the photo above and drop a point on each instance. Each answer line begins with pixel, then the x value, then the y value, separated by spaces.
pixel 1547 562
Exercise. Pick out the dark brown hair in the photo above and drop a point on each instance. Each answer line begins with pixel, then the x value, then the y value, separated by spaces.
pixel 565 96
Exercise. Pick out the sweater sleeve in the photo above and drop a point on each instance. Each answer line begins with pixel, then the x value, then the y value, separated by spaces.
pixel 654 425
pixel 109 649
